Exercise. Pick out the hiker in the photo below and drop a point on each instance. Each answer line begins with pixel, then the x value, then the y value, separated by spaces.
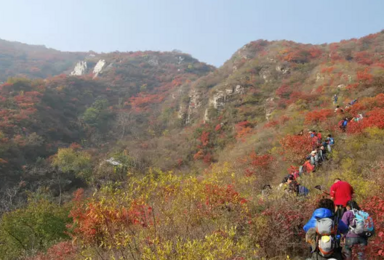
pixel 308 167
pixel 341 192
pixel 266 191
pixel 314 158
pixel 293 186
pixel 320 136
pixel 327 146
pixel 352 102
pixel 335 97
pixel 301 133
pixel 338 109
pixel 344 124
pixel 323 153
pixel 356 234
pixel 358 118
pixel 330 142
pixel 322 234
pixel 315 139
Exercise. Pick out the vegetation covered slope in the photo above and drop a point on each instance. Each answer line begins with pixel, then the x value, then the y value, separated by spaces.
pixel 33 61
pixel 176 153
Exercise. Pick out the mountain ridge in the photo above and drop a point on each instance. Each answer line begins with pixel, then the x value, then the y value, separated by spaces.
pixel 160 135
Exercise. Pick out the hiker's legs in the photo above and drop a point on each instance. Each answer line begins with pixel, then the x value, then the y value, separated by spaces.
pixel 360 243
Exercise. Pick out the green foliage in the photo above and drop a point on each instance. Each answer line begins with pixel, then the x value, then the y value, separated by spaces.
pixel 33 228
pixel 70 160
pixel 97 115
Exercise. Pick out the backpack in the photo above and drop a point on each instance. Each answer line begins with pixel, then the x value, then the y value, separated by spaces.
pixel 363 224
pixel 331 140
pixel 326 241
pixel 345 122
pixel 303 191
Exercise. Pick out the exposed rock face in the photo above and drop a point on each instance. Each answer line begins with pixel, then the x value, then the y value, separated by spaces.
pixel 194 104
pixel 219 99
pixel 269 107
pixel 180 59
pixel 206 118
pixel 154 61
pixel 282 69
pixel 98 68
pixel 319 77
pixel 80 69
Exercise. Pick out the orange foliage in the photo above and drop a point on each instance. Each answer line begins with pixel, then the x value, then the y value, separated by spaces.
pixel 318 116
pixel 296 147
pixel 364 76
pixel 93 220
pixel 142 101
pixel 243 128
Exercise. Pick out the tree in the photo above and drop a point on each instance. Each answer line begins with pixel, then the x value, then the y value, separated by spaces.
pixel 97 115
pixel 32 228
pixel 123 120
pixel 70 160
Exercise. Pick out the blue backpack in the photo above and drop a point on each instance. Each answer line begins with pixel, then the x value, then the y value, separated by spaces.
pixel 303 191
pixel 345 122
pixel 363 224
pixel 331 140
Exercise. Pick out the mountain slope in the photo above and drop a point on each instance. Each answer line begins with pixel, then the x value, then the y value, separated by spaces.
pixel 179 152
pixel 18 59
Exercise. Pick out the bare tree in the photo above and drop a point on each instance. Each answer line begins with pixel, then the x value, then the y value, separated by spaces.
pixel 123 121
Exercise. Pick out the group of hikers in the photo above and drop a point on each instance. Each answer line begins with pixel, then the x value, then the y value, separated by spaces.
pixel 336 221
pixel 338 224
pixel 319 154
pixel 344 122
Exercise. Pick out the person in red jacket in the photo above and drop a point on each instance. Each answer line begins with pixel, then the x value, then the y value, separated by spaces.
pixel 341 192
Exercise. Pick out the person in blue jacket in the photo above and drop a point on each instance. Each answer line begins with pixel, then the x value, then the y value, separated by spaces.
pixel 325 209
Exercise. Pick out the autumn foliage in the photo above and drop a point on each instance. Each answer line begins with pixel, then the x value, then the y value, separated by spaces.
pixel 296 147
pixel 317 116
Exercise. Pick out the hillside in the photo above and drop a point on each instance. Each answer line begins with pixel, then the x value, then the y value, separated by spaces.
pixel 35 61
pixel 173 154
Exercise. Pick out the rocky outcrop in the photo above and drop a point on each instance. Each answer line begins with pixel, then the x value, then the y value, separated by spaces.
pixel 194 104
pixel 98 68
pixel 153 61
pixel 282 69
pixel 319 77
pixel 219 99
pixel 80 69
pixel 269 107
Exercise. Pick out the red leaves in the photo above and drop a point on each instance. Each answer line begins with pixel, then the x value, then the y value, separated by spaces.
pixel 61 251
pixel 327 70
pixel 364 58
pixel 296 147
pixel 375 207
pixel 284 91
pixel 217 196
pixel 94 220
pixel 243 128
pixel 364 76
pixel 204 138
pixel 257 162
pixel 318 116
pixel 142 101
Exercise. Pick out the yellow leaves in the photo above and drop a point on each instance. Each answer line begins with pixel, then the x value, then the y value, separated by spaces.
pixel 212 247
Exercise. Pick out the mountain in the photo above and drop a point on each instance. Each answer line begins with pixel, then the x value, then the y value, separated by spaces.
pixel 174 155
pixel 34 61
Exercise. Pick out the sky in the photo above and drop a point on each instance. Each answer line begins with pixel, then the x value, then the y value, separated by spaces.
pixel 209 30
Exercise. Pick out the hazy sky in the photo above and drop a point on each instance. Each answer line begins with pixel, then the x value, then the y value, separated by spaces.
pixel 210 30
